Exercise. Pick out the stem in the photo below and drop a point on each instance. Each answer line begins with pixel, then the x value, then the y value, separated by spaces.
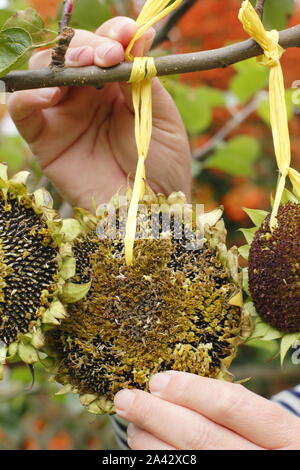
pixel 66 35
pixel 45 44
pixel 239 117
pixel 167 65
pixel 66 14
pixel 260 8
pixel 174 17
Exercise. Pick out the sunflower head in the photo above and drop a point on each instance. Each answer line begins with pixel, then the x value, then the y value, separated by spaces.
pixel 177 307
pixel 35 262
pixel 274 273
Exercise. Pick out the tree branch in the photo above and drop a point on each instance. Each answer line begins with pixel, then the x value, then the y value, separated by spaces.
pixel 66 15
pixel 66 35
pixel 203 152
pixel 167 65
pixel 174 17
pixel 260 8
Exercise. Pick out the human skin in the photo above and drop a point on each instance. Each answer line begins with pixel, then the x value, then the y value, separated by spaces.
pixel 185 411
pixel 84 138
pixel 84 141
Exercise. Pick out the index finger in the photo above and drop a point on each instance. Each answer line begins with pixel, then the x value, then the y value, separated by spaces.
pixel 231 405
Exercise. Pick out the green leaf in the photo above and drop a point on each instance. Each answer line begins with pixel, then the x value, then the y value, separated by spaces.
pixel 270 346
pixel 286 343
pixel 276 13
pixel 263 109
pixel 4 15
pixel 246 283
pixel 256 215
pixel 249 233
pixel 250 79
pixel 213 96
pixel 12 151
pixel 244 251
pixel 287 196
pixel 194 108
pixel 90 14
pixel 236 157
pixel 15 45
pixel 30 21
pixel 260 329
pixel 272 334
pixel 249 306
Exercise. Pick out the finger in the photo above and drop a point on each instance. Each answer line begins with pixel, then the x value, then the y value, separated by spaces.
pixel 177 426
pixel 231 405
pixel 122 29
pixel 25 108
pixel 81 39
pixel 138 439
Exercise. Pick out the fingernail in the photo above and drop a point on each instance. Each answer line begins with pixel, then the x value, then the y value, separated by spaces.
pixel 75 56
pixel 122 26
pixel 123 400
pixel 47 93
pixel 131 431
pixel 158 382
pixel 103 50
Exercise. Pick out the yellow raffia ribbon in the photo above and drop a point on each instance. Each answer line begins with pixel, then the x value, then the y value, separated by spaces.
pixel 268 41
pixel 143 71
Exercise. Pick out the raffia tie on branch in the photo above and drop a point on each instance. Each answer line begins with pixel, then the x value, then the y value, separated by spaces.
pixel 141 78
pixel 268 40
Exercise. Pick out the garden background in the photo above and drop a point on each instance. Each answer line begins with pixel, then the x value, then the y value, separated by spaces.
pixel 226 115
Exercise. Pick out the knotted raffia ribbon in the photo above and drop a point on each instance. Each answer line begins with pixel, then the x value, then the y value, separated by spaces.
pixel 268 41
pixel 143 71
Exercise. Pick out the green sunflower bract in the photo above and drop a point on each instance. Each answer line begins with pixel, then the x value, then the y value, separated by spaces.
pixel 175 308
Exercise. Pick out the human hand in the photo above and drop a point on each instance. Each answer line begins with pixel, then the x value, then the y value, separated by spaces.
pixel 84 139
pixel 185 411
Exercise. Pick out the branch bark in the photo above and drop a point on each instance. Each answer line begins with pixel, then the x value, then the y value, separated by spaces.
pixel 167 65
pixel 260 8
pixel 66 35
pixel 174 17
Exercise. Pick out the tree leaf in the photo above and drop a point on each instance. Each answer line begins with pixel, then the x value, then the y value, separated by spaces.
pixel 236 157
pixel 30 21
pixel 250 79
pixel 193 106
pixel 15 45
pixel 90 14
pixel 4 15
pixel 12 151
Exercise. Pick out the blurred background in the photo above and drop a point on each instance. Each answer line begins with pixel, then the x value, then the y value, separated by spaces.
pixel 226 115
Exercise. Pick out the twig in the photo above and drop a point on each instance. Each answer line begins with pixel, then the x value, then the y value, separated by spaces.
pixel 168 65
pixel 66 15
pixel 65 37
pixel 260 8
pixel 174 17
pixel 237 119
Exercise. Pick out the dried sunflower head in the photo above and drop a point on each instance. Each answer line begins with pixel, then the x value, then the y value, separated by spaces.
pixel 274 273
pixel 178 306
pixel 35 261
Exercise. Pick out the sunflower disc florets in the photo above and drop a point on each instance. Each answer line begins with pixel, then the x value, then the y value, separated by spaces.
pixel 175 308
pixel 35 262
pixel 274 270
